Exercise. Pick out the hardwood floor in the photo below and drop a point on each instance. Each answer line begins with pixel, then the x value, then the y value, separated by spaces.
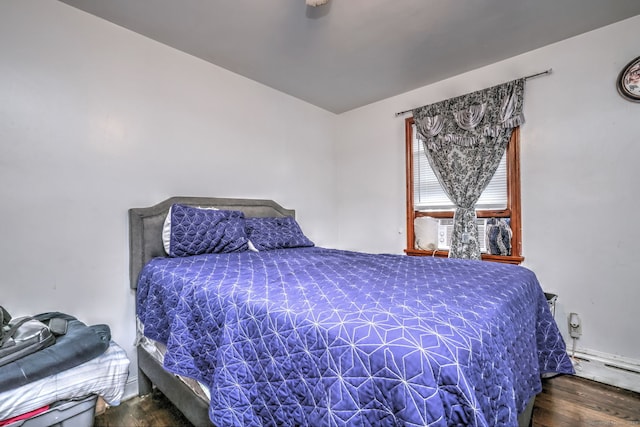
pixel 565 401
pixel 152 410
pixel 574 401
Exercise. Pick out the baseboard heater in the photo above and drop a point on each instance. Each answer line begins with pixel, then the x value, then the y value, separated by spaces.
pixel 613 370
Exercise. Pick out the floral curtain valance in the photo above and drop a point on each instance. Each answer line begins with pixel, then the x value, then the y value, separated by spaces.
pixel 464 139
pixel 468 119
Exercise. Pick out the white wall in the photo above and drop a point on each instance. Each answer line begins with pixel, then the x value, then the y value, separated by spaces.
pixel 95 119
pixel 579 156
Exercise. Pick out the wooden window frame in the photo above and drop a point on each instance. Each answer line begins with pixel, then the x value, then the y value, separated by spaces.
pixel 512 211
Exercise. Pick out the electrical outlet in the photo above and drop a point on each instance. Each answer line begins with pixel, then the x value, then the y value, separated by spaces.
pixel 575 325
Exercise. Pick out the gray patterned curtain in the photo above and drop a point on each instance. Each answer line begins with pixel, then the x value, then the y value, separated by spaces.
pixel 464 140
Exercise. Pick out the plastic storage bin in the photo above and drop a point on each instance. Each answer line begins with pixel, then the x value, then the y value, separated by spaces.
pixel 68 413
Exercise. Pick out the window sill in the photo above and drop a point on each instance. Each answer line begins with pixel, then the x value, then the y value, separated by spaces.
pixel 511 259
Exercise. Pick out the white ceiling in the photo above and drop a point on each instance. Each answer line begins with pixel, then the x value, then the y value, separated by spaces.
pixel 350 53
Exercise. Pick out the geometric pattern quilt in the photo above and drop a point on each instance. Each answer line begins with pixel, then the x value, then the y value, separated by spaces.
pixel 321 337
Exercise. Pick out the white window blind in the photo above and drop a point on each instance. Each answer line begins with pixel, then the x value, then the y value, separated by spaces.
pixel 428 195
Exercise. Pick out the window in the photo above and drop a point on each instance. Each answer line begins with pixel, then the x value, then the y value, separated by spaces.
pixel 428 195
pixel 425 197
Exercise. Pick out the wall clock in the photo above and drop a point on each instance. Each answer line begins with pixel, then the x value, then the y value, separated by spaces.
pixel 629 81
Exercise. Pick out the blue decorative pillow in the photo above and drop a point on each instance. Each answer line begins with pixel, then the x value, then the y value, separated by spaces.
pixel 197 231
pixel 276 233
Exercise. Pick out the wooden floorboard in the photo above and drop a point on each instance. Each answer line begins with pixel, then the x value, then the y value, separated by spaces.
pixel 568 401
pixel 153 410
pixel 565 401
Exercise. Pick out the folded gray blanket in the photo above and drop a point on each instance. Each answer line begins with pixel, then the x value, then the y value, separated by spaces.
pixel 80 344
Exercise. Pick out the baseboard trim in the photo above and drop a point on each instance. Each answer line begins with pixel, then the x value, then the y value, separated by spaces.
pixel 609 369
pixel 130 389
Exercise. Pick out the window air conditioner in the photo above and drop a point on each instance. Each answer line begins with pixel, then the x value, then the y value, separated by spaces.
pixel 445 231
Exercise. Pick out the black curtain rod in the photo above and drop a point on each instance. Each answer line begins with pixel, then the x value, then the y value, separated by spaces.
pixel 526 78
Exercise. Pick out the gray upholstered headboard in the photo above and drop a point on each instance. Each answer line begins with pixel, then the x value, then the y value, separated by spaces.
pixel 145 225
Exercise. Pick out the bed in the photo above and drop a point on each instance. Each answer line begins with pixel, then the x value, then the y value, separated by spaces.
pixel 305 335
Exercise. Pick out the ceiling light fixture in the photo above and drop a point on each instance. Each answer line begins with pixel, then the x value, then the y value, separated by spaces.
pixel 315 3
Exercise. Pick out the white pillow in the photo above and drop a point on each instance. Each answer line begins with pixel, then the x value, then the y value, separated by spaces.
pixel 166 228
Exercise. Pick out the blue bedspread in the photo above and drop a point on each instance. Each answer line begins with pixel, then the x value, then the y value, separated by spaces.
pixel 321 337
